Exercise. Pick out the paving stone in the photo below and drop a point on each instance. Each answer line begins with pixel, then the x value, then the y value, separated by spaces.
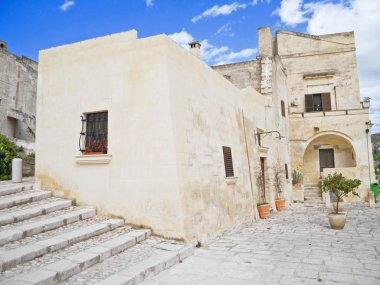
pixel 64 269
pixel 295 246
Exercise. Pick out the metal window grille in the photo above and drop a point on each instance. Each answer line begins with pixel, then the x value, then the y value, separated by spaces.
pixel 97 132
pixel 228 165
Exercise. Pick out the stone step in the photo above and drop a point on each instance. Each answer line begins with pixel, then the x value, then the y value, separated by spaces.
pixel 73 264
pixel 28 196
pixel 164 255
pixel 30 212
pixel 313 199
pixel 313 194
pixel 46 224
pixel 12 189
pixel 21 254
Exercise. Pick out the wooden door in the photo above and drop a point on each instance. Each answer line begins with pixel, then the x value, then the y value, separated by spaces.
pixel 326 158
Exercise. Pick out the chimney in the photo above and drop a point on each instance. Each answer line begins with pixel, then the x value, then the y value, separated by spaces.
pixel 3 45
pixel 195 49
pixel 265 42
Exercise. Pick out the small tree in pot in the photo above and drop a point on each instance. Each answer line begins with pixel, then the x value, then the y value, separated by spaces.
pixel 263 207
pixel 340 187
pixel 279 181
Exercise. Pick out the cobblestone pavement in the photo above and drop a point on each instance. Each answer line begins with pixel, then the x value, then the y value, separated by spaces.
pixel 296 246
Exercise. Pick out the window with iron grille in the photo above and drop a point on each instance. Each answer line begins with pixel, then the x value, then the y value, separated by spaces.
pixel 228 165
pixel 96 139
pixel 317 102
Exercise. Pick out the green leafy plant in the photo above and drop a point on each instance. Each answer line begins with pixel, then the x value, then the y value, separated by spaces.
pixel 8 151
pixel 340 186
pixel 296 176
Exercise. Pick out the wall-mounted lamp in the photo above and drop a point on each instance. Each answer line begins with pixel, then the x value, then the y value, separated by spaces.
pixel 369 125
pixel 279 136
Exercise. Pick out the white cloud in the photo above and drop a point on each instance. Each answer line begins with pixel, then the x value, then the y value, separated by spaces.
pixel 149 3
pixel 219 10
pixel 290 12
pixel 66 5
pixel 362 17
pixel 211 54
pixel 183 38
pixel 225 30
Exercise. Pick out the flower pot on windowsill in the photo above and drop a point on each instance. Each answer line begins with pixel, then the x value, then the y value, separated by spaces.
pixel 94 152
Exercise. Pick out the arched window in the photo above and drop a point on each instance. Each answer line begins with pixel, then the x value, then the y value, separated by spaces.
pixel 283 108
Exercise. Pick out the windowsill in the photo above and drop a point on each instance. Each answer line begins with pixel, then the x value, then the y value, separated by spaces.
pixel 93 159
pixel 231 180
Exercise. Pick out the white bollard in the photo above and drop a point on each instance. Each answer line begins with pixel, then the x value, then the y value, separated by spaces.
pixel 16 170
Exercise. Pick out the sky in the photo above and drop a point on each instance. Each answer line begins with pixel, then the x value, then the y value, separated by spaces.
pixel 227 29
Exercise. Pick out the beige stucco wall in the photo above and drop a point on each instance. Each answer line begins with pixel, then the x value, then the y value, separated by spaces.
pixel 129 78
pixel 169 115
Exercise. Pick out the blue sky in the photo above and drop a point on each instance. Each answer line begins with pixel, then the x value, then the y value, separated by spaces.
pixel 226 28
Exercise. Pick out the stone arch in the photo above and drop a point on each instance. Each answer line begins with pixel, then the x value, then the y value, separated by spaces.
pixel 337 145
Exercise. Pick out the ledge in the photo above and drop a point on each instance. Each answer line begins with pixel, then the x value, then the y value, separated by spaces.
pixel 93 159
pixel 231 180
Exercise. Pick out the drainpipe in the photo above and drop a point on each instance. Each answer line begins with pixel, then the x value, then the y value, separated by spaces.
pixel 372 197
pixel 254 206
pixel 336 100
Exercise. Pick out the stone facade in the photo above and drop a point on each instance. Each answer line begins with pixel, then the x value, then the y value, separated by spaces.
pixel 171 118
pixel 317 65
pixel 18 92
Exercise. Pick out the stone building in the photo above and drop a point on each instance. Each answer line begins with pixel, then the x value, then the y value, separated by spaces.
pixel 144 129
pixel 328 124
pixel 18 92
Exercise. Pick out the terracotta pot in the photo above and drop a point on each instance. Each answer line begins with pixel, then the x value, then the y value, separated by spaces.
pixel 337 221
pixel 264 211
pixel 280 204
pixel 340 207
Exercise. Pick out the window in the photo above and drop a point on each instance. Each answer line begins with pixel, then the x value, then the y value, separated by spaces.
pixel 283 108
pixel 286 171
pixel 96 140
pixel 317 102
pixel 228 161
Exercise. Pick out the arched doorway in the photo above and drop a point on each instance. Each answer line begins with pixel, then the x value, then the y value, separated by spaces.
pixel 324 151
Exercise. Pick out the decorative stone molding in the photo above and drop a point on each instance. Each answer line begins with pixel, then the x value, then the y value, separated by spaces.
pixel 93 159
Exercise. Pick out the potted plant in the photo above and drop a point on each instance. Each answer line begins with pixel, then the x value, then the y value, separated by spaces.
pixel 263 207
pixel 96 147
pixel 279 181
pixel 340 187
pixel 296 176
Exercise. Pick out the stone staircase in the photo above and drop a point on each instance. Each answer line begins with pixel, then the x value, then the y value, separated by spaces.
pixel 312 194
pixel 47 240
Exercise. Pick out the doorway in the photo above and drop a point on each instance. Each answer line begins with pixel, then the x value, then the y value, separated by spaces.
pixel 326 159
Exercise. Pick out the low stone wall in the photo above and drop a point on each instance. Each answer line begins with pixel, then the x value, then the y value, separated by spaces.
pixel 28 166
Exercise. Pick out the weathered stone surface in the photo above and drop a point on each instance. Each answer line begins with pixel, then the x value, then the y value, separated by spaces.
pixel 292 247
pixel 24 198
